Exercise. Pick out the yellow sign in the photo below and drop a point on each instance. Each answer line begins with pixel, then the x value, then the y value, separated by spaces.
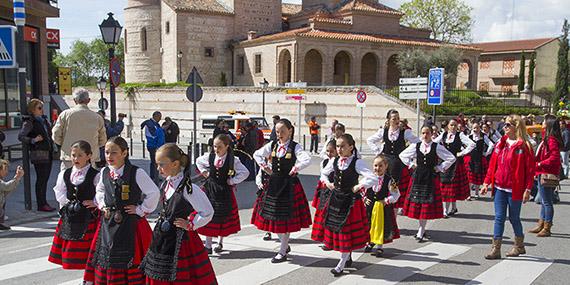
pixel 295 91
pixel 64 82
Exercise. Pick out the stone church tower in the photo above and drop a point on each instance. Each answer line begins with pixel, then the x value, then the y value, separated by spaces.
pixel 325 3
pixel 143 41
pixel 261 16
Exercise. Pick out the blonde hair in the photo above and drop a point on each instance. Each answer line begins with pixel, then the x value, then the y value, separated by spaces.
pixel 33 104
pixel 4 164
pixel 520 128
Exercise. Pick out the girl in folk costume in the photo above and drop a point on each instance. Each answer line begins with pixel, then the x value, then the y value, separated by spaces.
pixel 493 137
pixel 261 181
pixel 176 254
pixel 379 201
pixel 75 192
pixel 345 221
pixel 223 171
pixel 322 195
pixel 125 195
pixel 339 130
pixel 454 183
pixel 476 162
pixel 424 198
pixel 390 141
pixel 284 207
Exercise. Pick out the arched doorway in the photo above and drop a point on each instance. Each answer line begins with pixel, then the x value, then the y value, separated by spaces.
pixel 284 67
pixel 369 72
pixel 393 72
pixel 313 74
pixel 341 75
pixel 463 80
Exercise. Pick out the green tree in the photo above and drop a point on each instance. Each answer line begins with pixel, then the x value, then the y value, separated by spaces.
pixel 418 62
pixel 448 20
pixel 531 67
pixel 561 89
pixel 522 72
pixel 448 58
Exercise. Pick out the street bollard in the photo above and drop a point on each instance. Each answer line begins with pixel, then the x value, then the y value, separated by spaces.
pixel 132 150
pixel 304 142
pixel 143 152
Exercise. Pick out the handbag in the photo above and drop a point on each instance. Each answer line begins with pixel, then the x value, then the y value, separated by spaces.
pixel 549 180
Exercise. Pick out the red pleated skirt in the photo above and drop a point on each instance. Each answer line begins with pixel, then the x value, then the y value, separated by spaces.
pixel 134 275
pixel 194 266
pixel 354 234
pixel 230 226
pixel 72 254
pixel 301 215
pixel 476 178
pixel 458 189
pixel 403 187
pixel 318 231
pixel 421 211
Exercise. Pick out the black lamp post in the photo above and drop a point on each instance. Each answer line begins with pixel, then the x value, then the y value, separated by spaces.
pixel 180 65
pixel 101 85
pixel 111 33
pixel 264 84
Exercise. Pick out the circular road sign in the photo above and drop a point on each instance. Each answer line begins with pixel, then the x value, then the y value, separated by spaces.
pixel 361 96
pixel 103 104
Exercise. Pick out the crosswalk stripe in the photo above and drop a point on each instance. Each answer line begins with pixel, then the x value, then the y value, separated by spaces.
pixel 73 282
pixel 30 248
pixel 398 268
pixel 26 267
pixel 520 270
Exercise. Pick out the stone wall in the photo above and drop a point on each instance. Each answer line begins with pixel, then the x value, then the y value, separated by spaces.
pixel 262 16
pixel 546 65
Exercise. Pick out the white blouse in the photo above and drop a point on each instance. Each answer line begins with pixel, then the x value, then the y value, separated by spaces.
pixel 465 140
pixel 368 178
pixel 77 177
pixel 489 143
pixel 198 200
pixel 241 172
pixel 376 141
pixel 147 186
pixel 303 158
pixel 409 155
pixel 393 197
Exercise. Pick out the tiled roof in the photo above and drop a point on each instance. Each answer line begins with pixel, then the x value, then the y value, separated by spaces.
pixel 368 6
pixel 290 9
pixel 332 20
pixel 519 45
pixel 203 6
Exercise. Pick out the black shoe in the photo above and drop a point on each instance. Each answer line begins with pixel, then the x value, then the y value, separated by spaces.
pixel 452 212
pixel 369 247
pixel 279 260
pixel 4 228
pixel 209 250
pixel 349 262
pixel 219 248
pixel 288 249
pixel 423 238
pixel 379 252
pixel 336 273
pixel 325 248
pixel 267 236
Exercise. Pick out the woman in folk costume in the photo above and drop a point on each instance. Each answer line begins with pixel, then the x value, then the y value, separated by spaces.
pixel 223 171
pixel 345 221
pixel 284 207
pixel 454 183
pixel 75 192
pixel 390 141
pixel 476 162
pixel 176 254
pixel 322 195
pixel 125 195
pixel 493 137
pixel 424 198
pixel 379 201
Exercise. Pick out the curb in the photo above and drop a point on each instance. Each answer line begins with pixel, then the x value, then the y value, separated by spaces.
pixel 31 216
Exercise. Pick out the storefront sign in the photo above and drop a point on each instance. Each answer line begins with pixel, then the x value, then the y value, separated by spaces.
pixel 31 34
pixel 52 36
pixel 64 80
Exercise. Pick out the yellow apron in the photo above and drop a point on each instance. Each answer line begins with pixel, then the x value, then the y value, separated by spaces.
pixel 377 224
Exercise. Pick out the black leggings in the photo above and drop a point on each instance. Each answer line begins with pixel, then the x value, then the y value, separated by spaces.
pixel 43 171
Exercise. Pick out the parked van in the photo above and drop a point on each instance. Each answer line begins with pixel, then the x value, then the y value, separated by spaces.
pixel 235 120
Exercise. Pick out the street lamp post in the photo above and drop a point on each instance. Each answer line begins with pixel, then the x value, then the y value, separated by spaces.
pixel 111 33
pixel 180 66
pixel 102 85
pixel 264 84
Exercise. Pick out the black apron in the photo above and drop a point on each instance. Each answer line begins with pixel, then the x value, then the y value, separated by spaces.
pixel 342 198
pixel 391 151
pixel 422 190
pixel 324 194
pixel 75 217
pixel 217 189
pixel 454 147
pixel 115 244
pixel 277 201
pixel 388 209
pixel 476 162
pixel 161 260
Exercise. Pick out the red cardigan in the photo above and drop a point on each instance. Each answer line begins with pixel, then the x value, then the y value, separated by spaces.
pixel 548 158
pixel 522 165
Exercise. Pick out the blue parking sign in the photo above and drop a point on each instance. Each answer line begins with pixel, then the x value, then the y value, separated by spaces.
pixel 435 86
pixel 7 47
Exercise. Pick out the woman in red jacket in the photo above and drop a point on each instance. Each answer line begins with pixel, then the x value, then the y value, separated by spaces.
pixel 510 176
pixel 548 162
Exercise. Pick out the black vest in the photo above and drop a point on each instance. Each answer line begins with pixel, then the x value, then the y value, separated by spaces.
pixel 422 190
pixel 222 174
pixel 344 180
pixel 455 146
pixel 475 164
pixel 342 198
pixel 83 191
pixel 281 166
pixel 395 147
pixel 217 189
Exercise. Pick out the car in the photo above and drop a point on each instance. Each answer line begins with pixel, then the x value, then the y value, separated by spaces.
pixel 235 120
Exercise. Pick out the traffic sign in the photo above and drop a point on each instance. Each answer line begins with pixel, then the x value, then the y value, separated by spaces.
pixel 296 91
pixel 296 84
pixel 191 96
pixel 413 88
pixel 7 47
pixel 413 80
pixel 115 71
pixel 198 78
pixel 296 97
pixel 436 86
pixel 103 104
pixel 361 96
pixel 194 92
pixel 413 95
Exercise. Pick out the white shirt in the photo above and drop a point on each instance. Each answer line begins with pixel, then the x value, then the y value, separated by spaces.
pixel 241 172
pixel 376 141
pixel 409 155
pixel 77 177
pixel 468 144
pixel 368 178
pixel 147 186
pixel 489 143
pixel 393 197
pixel 303 158
pixel 198 200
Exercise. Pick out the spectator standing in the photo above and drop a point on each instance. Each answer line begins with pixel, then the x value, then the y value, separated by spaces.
pixel 154 139
pixel 314 128
pixel 273 136
pixel 79 123
pixel 564 150
pixel 171 130
pixel 36 133
pixel 247 143
pixel 259 135
pixel 111 131
pixel 6 188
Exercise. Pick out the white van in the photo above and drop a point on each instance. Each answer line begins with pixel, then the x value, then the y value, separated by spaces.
pixel 234 120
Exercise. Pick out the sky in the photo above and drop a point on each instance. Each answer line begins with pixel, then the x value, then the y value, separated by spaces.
pixel 494 19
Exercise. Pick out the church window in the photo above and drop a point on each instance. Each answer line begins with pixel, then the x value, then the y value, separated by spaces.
pixel 258 63
pixel 143 39
pixel 167 27
pixel 209 52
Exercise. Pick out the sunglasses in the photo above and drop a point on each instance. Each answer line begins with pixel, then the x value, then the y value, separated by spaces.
pixel 508 125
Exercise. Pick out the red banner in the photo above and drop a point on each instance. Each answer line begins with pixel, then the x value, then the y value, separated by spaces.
pixel 53 38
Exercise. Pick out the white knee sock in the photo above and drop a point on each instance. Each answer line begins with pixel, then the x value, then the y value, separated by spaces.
pixel 446 208
pixel 344 257
pixel 208 243
pixel 454 205
pixel 221 240
pixel 284 238
pixel 88 282
pixel 422 228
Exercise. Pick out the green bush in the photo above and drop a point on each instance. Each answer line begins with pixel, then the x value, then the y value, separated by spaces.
pixel 154 85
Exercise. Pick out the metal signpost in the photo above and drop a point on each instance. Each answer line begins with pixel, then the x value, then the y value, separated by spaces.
pixel 414 88
pixel 436 88
pixel 361 103
pixel 194 94
pixel 298 90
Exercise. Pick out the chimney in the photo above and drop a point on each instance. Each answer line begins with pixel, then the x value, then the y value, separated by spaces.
pixel 251 35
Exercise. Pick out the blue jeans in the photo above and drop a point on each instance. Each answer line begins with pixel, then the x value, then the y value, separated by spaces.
pixel 504 200
pixel 546 199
